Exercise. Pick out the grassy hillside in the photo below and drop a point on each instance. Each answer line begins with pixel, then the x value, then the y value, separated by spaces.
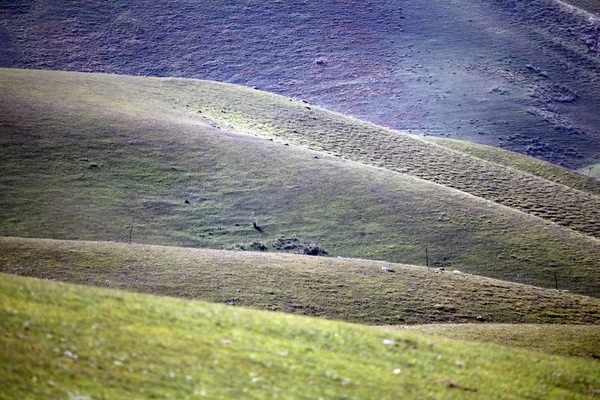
pixel 526 164
pixel 64 341
pixel 88 156
pixel 358 141
pixel 345 289
pixel 562 340
pixel 490 70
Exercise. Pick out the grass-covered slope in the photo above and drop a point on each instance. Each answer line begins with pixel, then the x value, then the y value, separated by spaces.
pixel 344 289
pixel 369 144
pixel 64 341
pixel 563 340
pixel 526 164
pixel 87 156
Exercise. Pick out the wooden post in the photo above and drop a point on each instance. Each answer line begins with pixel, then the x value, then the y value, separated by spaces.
pixel 426 258
pixel 130 232
pixel 555 281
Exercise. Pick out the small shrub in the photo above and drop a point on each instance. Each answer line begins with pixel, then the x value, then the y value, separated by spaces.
pixel 292 244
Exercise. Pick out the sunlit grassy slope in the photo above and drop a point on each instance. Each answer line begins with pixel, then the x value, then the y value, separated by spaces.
pixel 345 289
pixel 529 165
pixel 88 156
pixel 563 340
pixel 64 341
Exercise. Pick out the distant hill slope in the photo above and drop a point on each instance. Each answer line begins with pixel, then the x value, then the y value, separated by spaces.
pixel 562 340
pixel 66 341
pixel 530 165
pixel 345 289
pixel 491 70
pixel 89 156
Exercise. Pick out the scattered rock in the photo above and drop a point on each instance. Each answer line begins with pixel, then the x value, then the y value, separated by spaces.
pixel 70 355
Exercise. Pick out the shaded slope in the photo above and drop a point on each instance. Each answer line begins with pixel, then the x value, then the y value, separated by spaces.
pixel 64 341
pixel 345 289
pixel 471 69
pixel 562 340
pixel 103 152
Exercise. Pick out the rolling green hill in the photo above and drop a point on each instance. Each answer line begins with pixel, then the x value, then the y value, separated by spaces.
pixel 345 289
pixel 89 156
pixel 65 341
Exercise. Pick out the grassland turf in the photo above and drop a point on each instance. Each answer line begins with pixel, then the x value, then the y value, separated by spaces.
pixel 65 341
pixel 581 181
pixel 104 153
pixel 563 340
pixel 344 289
pixel 468 69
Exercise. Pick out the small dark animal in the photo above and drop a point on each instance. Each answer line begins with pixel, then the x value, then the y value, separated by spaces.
pixel 258 228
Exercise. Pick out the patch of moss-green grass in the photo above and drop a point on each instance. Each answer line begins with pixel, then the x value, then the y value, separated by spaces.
pixel 344 289
pixel 65 341
pixel 530 165
pixel 562 340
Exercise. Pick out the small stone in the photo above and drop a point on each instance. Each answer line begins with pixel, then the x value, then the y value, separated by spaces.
pixel 70 355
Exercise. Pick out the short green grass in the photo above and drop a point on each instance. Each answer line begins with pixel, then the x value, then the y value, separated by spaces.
pixel 103 153
pixel 65 341
pixel 563 340
pixel 343 289
pixel 530 165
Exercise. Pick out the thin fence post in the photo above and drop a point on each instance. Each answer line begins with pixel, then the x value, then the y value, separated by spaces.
pixel 130 232
pixel 426 258
pixel 555 280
